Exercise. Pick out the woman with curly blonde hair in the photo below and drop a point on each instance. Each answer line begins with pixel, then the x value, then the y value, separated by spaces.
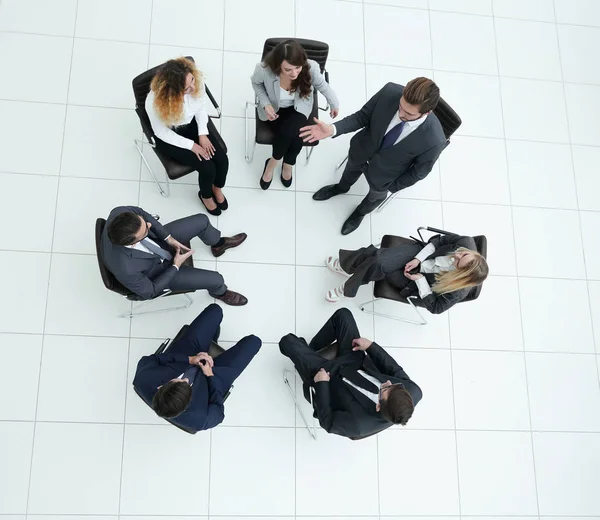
pixel 177 112
pixel 441 273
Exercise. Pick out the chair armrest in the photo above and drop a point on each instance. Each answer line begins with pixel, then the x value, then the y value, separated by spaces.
pixel 163 346
pixel 214 102
pixel 146 128
pixel 432 230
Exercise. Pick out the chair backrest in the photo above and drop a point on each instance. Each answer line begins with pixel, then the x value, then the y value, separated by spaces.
pixel 315 50
pixel 109 280
pixel 449 119
pixel 481 244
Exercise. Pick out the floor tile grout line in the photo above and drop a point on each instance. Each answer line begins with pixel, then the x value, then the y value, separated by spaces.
pixel 50 271
pixel 531 441
pixel 581 235
pixel 301 428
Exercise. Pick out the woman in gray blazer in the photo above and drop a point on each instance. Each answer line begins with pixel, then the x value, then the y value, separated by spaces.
pixel 284 83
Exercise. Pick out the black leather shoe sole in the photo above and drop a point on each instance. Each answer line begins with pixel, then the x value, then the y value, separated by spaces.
pixel 352 224
pixel 326 192
pixel 263 184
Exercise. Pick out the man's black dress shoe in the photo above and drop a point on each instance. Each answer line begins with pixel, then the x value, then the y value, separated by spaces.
pixel 352 223
pixel 326 192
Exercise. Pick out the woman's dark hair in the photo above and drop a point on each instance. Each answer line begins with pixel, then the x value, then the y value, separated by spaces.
pixel 292 52
pixel 172 399
pixel 123 228
pixel 398 407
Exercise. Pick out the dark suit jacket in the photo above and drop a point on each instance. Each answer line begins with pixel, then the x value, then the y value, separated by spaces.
pixel 343 410
pixel 403 164
pixel 142 273
pixel 206 407
pixel 438 303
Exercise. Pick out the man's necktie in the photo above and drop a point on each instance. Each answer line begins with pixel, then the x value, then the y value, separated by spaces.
pixel 159 251
pixel 391 137
pixel 191 374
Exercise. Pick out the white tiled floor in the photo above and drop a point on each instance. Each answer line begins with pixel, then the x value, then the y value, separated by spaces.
pixel 509 425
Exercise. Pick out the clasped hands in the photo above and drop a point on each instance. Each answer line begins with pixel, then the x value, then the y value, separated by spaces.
pixel 409 267
pixel 205 149
pixel 182 253
pixel 204 361
pixel 358 344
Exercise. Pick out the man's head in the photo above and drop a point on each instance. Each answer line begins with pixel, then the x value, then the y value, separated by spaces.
pixel 395 403
pixel 419 97
pixel 172 398
pixel 127 229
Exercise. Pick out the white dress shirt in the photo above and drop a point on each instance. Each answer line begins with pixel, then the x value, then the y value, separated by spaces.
pixel 409 126
pixel 285 98
pixel 141 247
pixel 374 380
pixel 192 107
pixel 439 264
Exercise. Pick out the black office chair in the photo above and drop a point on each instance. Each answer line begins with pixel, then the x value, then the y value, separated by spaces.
pixel 315 50
pixel 329 352
pixel 215 350
pixel 112 284
pixel 386 291
pixel 450 122
pixel 173 169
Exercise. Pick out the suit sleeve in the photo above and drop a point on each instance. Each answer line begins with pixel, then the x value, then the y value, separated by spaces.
pixel 157 227
pixel 439 303
pixel 340 422
pixel 216 410
pixel 419 169
pixel 319 83
pixel 358 120
pixel 258 84
pixel 385 363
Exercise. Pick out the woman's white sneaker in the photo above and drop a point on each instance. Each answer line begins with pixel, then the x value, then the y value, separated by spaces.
pixel 333 264
pixel 335 295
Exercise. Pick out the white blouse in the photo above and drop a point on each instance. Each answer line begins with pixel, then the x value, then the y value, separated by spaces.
pixel 192 107
pixel 285 98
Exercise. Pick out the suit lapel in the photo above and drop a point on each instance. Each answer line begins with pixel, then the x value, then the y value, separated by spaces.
pixel 413 134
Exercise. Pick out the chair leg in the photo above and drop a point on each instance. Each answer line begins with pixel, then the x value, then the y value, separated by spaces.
pixel 309 153
pixel 287 375
pixel 341 163
pixel 166 192
pixel 389 198
pixel 135 309
pixel 250 147
pixel 421 320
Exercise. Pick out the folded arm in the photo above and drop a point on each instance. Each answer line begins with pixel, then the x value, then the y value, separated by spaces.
pixel 341 422
pixel 162 131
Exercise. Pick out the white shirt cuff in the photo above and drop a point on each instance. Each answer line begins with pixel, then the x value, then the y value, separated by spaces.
pixel 175 266
pixel 425 252
pixel 334 130
pixel 423 286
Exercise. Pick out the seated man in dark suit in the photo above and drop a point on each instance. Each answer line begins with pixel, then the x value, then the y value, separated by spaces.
pixel 185 384
pixel 147 257
pixel 363 390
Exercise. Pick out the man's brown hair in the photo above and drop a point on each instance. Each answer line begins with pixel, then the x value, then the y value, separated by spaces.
pixel 172 399
pixel 398 407
pixel 422 92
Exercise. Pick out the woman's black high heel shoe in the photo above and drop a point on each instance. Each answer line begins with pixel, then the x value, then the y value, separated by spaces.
pixel 222 205
pixel 286 183
pixel 216 212
pixel 264 184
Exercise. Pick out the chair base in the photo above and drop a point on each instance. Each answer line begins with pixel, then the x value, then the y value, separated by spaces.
pixel 164 192
pixel 135 308
pixel 419 321
pixel 312 428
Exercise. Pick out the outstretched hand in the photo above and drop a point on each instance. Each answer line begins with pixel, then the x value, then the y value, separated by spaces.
pixel 313 133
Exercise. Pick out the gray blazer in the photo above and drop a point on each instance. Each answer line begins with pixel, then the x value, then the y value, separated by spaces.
pixel 398 166
pixel 142 273
pixel 266 85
